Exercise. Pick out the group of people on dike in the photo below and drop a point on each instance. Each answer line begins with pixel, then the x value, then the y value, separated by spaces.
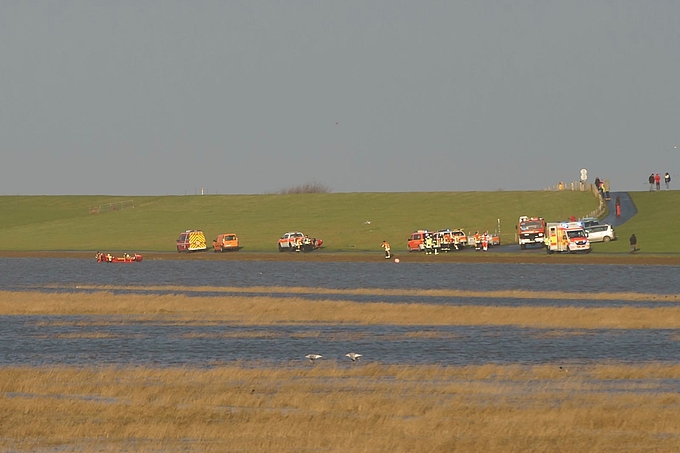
pixel 602 188
pixel 655 181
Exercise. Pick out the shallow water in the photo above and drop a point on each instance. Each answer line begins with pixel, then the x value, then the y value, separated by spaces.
pixel 22 273
pixel 43 340
pixel 75 341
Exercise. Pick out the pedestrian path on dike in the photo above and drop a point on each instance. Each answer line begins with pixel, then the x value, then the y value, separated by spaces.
pixel 628 209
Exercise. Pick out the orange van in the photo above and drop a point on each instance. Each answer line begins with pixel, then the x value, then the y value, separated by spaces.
pixel 225 241
pixel 416 242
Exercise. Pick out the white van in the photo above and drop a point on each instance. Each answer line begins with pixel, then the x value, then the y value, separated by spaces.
pixel 601 233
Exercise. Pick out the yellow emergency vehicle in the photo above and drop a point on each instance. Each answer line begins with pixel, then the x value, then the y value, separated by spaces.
pixel 191 241
pixel 567 237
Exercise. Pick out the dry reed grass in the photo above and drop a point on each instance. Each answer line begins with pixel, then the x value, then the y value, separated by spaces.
pixel 333 407
pixel 180 309
pixel 454 293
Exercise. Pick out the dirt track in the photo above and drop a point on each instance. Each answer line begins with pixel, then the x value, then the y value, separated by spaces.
pixel 468 256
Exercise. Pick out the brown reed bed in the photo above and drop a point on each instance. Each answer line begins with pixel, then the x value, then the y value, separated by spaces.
pixel 340 407
pixel 243 310
pixel 453 293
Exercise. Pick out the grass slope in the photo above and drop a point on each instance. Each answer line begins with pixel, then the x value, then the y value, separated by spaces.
pixel 654 225
pixel 64 222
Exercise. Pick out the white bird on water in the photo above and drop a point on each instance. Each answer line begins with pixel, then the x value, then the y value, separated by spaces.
pixel 353 355
pixel 313 357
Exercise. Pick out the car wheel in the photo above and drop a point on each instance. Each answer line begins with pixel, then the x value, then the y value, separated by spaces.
pixel 607 239
pixel 280 248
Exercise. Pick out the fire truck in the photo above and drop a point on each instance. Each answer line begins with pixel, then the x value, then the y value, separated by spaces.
pixel 530 231
pixel 569 237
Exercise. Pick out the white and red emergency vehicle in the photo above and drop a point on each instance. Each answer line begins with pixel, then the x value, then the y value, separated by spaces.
pixel 569 237
pixel 530 231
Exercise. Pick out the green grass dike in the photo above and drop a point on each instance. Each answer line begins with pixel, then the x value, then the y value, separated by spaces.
pixel 654 225
pixel 50 223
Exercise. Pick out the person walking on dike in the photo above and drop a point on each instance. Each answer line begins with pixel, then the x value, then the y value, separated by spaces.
pixel 633 244
pixel 605 185
pixel 386 246
pixel 657 180
pixel 618 206
pixel 651 182
pixel 667 180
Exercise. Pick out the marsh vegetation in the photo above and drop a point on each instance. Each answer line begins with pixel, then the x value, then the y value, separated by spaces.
pixel 261 310
pixel 336 407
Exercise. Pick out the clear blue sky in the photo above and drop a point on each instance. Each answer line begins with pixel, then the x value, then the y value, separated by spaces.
pixel 165 97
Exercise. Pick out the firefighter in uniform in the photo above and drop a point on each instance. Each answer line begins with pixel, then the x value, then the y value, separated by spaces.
pixel 477 240
pixel 428 245
pixel 386 246
pixel 446 245
pixel 485 241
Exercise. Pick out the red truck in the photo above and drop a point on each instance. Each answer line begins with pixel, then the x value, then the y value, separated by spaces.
pixel 530 231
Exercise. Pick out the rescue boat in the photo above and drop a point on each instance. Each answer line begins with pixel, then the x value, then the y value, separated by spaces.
pixel 108 258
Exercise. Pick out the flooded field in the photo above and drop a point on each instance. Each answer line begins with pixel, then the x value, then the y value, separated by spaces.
pixel 48 338
pixel 209 356
pixel 18 273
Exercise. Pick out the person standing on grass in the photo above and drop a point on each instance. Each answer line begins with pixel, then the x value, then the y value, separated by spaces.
pixel 386 246
pixel 633 243
pixel 618 206
pixel 651 182
pixel 657 180
pixel 667 180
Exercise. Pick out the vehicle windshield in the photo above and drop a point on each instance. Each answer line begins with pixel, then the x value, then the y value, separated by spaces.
pixel 576 234
pixel 533 225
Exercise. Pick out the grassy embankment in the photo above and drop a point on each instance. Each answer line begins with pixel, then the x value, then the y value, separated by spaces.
pixel 655 225
pixel 340 407
pixel 64 222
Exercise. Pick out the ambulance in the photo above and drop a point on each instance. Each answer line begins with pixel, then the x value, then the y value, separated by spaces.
pixel 191 241
pixel 568 237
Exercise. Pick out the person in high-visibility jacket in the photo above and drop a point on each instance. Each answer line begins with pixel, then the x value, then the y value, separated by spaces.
pixel 386 246
pixel 446 245
pixel 428 245
pixel 478 240
pixel 485 241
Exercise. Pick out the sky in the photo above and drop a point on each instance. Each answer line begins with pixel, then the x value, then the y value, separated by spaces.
pixel 245 97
